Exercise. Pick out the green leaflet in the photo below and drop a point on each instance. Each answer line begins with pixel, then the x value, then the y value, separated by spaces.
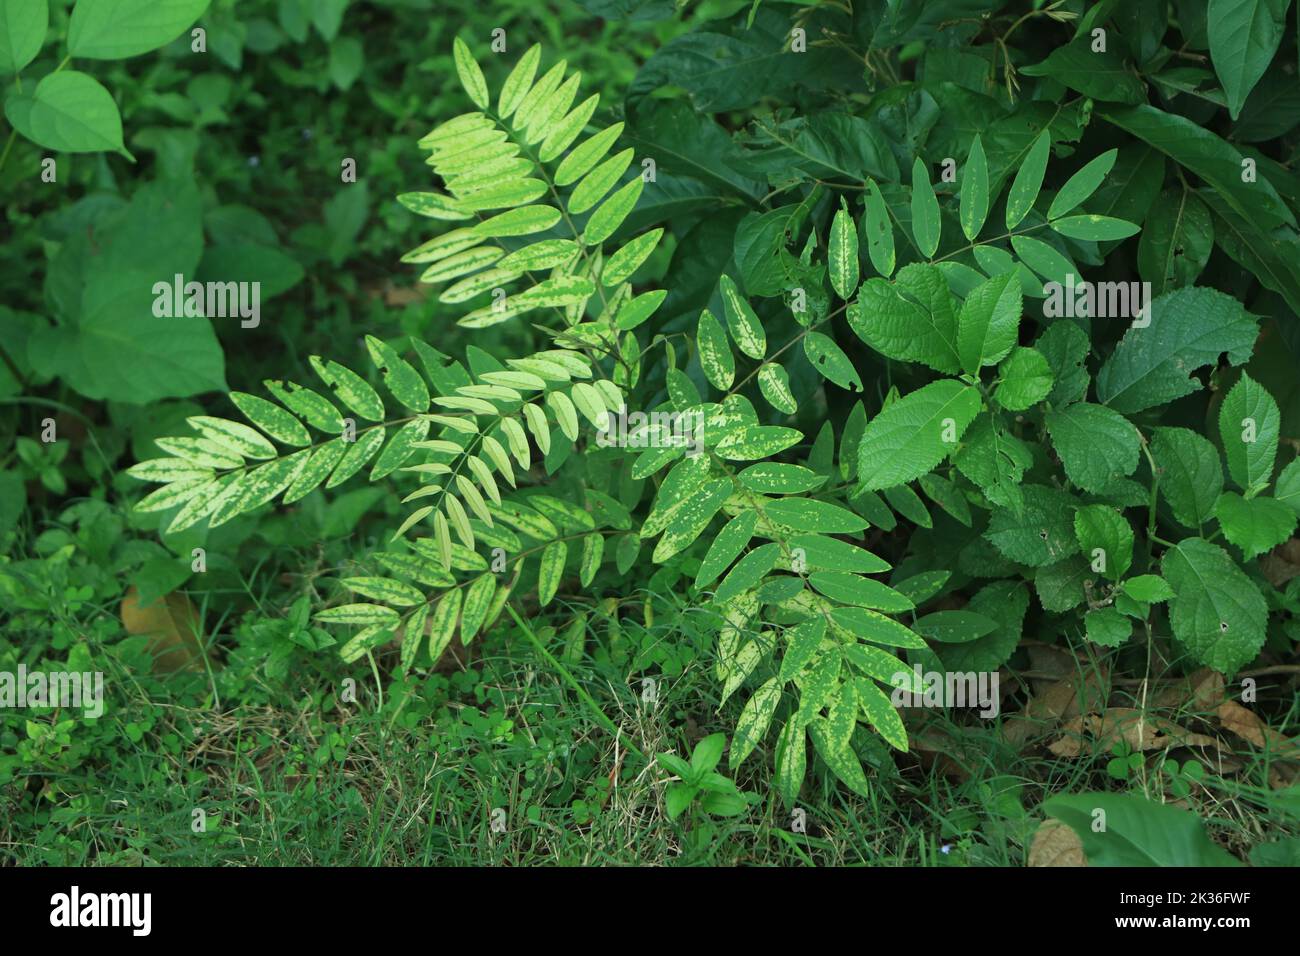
pixel 754 721
pixel 829 359
pixel 747 572
pixel 791 762
pixel 477 603
pixel 1107 626
pixel 752 442
pixel 726 547
pixel 443 623
pixel 879 231
pixel 272 419
pixel 914 434
pixel 385 590
pixel 584 157
pixel 774 383
pixel 519 81
pixel 1028 181
pixel 1216 613
pixel 974 206
pixel 1249 425
pixel 399 376
pixel 689 519
pixel 471 77
pixel 880 713
pixel 1148 588
pixel 598 182
pixel 628 259
pixel 551 570
pixel 609 215
pixel 1082 184
pixel 808 514
pixel 1041 533
pixel 858 591
pixel 350 389
pixel 745 328
pixel 873 627
pixel 802 644
pixel 715 352
pixel 842 254
pixel 1096 444
pixel 771 478
pixel 925 211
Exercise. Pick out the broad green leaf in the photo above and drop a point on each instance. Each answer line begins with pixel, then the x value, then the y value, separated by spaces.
pixel 830 554
pixel 1066 348
pixel 1249 425
pixel 1176 242
pixel 23 24
pixel 842 253
pixel 1217 613
pixel 1148 588
pixel 1096 444
pixel 1214 160
pixel 69 112
pixel 988 323
pixel 745 328
pixel 915 433
pixel 1028 181
pixel 1287 490
pixel 1254 525
pixel 911 319
pixel 116 29
pixel 1187 329
pixel 925 211
pixel 1191 477
pixel 471 77
pixel 1107 627
pixel 1138 832
pixel 1244 35
pixel 1024 380
pixel 974 205
pixel 1106 539
pixel 1041 533
pixel 1097 74
pixel 879 231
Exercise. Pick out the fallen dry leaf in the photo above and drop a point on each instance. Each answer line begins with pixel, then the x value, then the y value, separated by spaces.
pixel 171 624
pixel 1140 731
pixel 1249 727
pixel 1055 844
